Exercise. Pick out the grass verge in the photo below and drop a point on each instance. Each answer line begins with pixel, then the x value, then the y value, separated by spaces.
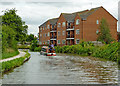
pixel 9 54
pixel 9 65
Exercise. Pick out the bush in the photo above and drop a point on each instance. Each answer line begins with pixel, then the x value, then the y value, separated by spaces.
pixel 8 65
pixel 109 51
pixel 37 49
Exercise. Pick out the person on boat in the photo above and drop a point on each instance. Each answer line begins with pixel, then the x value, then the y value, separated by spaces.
pixel 51 47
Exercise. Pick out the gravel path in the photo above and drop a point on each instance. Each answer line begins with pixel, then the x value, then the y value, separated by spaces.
pixel 21 54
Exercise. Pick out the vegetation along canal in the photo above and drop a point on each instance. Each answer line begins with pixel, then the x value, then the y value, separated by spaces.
pixel 63 69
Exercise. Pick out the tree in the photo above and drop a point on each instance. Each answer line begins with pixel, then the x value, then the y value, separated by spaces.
pixel 8 38
pixel 30 37
pixel 14 21
pixel 104 34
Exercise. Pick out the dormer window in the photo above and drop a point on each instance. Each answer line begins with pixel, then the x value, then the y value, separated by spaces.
pixel 77 21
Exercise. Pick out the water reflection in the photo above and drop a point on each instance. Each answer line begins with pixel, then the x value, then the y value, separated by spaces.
pixel 63 69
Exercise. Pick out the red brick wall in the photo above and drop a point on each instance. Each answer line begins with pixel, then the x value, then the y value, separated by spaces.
pixel 90 27
pixel 61 29
pixel 43 38
pixel 77 36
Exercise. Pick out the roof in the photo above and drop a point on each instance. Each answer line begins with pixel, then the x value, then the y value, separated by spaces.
pixel 52 21
pixel 87 13
pixel 71 16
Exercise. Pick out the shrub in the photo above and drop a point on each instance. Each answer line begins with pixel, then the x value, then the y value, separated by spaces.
pixel 37 49
pixel 8 65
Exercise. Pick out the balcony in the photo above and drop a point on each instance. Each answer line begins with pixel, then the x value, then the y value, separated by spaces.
pixel 70 42
pixel 70 28
pixel 70 36
pixel 53 38
pixel 53 30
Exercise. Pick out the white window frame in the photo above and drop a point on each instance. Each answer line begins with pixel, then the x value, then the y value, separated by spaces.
pixel 63 24
pixel 58 33
pixel 63 41
pixel 40 35
pixel 77 31
pixel 77 21
pixel 59 24
pixel 45 34
pixel 48 34
pixel 97 31
pixel 58 41
pixel 63 33
pixel 48 26
pixel 77 40
pixel 97 21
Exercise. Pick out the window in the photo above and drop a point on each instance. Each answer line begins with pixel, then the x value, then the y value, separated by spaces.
pixel 48 34
pixel 63 24
pixel 63 32
pixel 77 41
pixel 58 24
pixel 97 22
pixel 48 27
pixel 63 41
pixel 77 31
pixel 58 33
pixel 40 29
pixel 48 41
pixel 43 28
pixel 77 21
pixel 97 31
pixel 40 35
pixel 58 41
pixel 45 34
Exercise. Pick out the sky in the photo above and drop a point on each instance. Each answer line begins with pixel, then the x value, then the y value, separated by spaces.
pixel 36 12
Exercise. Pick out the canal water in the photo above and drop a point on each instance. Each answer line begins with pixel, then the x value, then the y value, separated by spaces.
pixel 63 69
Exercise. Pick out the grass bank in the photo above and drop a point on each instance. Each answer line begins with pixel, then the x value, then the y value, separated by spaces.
pixel 9 53
pixel 9 65
pixel 108 51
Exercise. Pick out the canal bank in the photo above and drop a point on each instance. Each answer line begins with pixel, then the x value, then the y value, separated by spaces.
pixel 63 69
pixel 15 61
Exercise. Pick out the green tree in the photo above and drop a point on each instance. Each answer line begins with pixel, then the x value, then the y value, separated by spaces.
pixel 14 21
pixel 104 34
pixel 30 38
pixel 8 38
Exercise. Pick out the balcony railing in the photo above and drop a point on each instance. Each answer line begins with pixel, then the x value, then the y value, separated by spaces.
pixel 70 36
pixel 70 27
pixel 53 37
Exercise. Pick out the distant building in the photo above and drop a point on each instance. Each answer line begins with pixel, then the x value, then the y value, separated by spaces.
pixel 70 28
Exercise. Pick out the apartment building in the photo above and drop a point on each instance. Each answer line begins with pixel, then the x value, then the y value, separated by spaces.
pixel 70 28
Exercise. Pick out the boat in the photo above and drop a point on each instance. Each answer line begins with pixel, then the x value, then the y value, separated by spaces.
pixel 45 50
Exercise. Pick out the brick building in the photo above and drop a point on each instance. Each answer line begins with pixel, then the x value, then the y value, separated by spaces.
pixel 70 28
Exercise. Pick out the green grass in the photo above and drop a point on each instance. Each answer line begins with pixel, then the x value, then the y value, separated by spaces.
pixel 9 65
pixel 9 54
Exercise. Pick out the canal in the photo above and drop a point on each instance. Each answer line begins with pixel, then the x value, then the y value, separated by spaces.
pixel 63 69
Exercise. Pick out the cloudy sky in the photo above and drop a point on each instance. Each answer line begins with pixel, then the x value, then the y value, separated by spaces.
pixel 36 12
